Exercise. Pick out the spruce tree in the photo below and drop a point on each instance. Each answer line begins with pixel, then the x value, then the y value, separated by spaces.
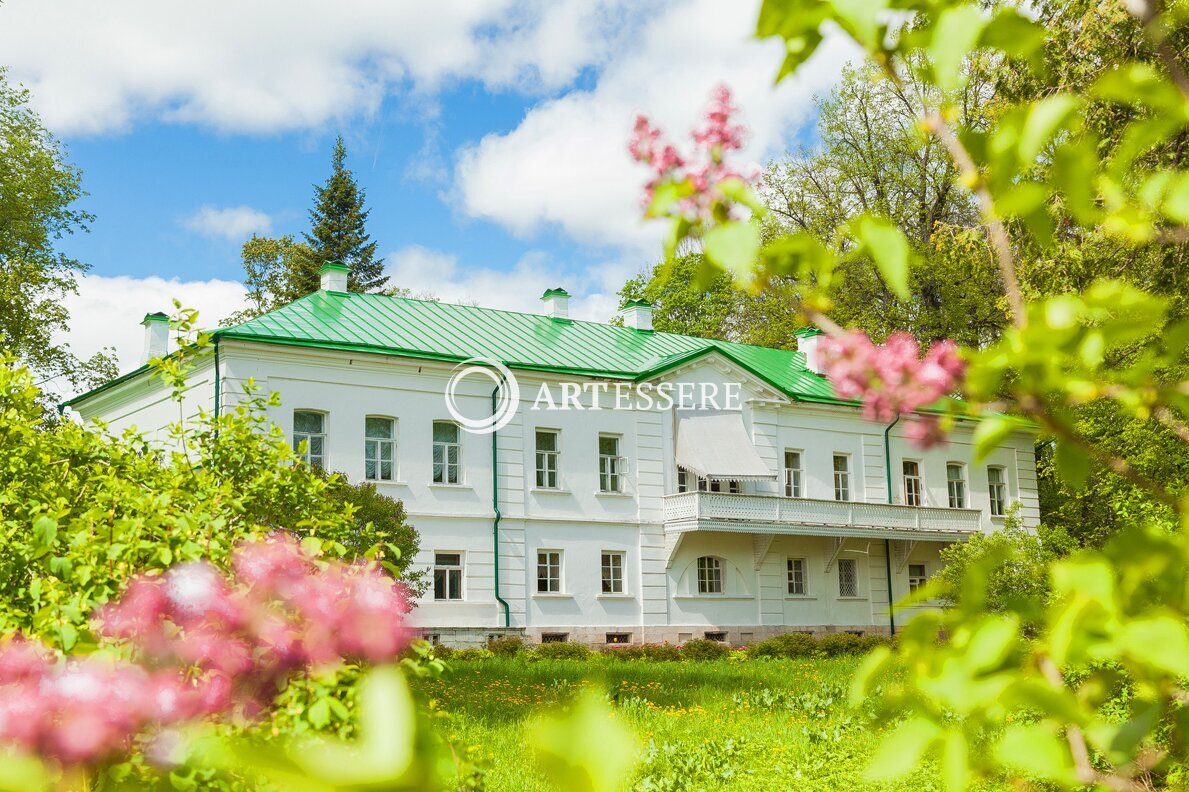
pixel 337 230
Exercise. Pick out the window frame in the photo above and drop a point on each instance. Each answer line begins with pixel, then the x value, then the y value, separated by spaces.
pixel 608 572
pixel 308 456
pixel 378 459
pixel 610 465
pixel 446 446
pixel 794 477
pixel 960 501
pixel 852 563
pixel 548 457
pixel 997 491
pixel 457 571
pixel 842 486
pixel 553 583
pixel 709 575
pixel 792 573
pixel 916 480
pixel 917 581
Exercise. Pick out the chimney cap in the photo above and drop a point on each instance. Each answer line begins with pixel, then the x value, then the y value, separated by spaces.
pixel 637 304
pixel 156 316
pixel 558 292
pixel 333 266
pixel 809 331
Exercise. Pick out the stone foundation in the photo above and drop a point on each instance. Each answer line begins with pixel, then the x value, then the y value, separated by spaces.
pixel 595 637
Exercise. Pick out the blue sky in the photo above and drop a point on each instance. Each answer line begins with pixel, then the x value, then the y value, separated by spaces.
pixel 489 134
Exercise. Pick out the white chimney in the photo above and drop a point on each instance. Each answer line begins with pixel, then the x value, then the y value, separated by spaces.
pixel 557 304
pixel 637 314
pixel 156 336
pixel 333 276
pixel 809 342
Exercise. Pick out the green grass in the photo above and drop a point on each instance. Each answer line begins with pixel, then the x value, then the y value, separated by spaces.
pixel 781 724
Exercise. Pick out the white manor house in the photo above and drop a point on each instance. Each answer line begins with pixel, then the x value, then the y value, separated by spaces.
pixel 755 504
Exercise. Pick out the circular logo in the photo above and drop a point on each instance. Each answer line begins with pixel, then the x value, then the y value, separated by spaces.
pixel 507 395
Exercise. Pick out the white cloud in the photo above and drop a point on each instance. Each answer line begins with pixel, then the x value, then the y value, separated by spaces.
pixel 232 223
pixel 566 163
pixel 107 311
pixel 269 65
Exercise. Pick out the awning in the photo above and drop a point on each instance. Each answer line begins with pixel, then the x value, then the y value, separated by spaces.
pixel 715 444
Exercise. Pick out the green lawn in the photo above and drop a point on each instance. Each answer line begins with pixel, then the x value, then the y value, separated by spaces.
pixel 719 725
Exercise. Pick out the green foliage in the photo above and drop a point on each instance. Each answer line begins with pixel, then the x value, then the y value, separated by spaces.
pixel 276 271
pixel 338 229
pixel 656 653
pixel 506 646
pixel 39 190
pixel 561 650
pixel 704 649
pixel 378 530
pixel 584 749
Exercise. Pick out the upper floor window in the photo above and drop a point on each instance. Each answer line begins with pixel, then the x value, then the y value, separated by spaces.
pixel 916 576
pixel 797 582
pixel 549 571
pixel 792 474
pixel 848 577
pixel 309 427
pixel 912 483
pixel 610 464
pixel 612 573
pixel 547 453
pixel 997 487
pixel 955 480
pixel 379 448
pixel 447 453
pixel 709 575
pixel 447 576
pixel 841 477
pixel 684 479
pixel 715 485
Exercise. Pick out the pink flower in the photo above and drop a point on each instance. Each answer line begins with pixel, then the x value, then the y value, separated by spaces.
pixel 925 432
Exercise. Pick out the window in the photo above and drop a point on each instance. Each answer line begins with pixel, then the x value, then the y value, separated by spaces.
pixel 447 453
pixel 554 637
pixel 547 458
pixel 841 477
pixel 683 480
pixel 548 571
pixel 715 485
pixel 612 573
pixel 848 577
pixel 792 474
pixel 912 483
pixel 916 576
pixel 619 638
pixel 796 569
pixel 309 427
pixel 955 479
pixel 379 448
pixel 997 487
pixel 709 575
pixel 447 576
pixel 610 464
pixel 721 637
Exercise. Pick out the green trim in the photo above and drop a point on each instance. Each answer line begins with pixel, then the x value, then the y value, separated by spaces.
pixel 887 545
pixel 637 304
pixel 558 292
pixel 495 505
pixel 807 332
pixel 120 380
pixel 157 316
pixel 333 266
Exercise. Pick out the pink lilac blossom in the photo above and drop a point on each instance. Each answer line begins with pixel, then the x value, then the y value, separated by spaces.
pixel 206 646
pixel 893 378
pixel 703 173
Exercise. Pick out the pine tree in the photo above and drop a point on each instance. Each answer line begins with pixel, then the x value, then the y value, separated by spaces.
pixel 338 230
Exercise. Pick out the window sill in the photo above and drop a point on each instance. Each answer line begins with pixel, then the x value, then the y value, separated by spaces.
pixel 549 491
pixel 717 597
pixel 439 485
pixel 852 599
pixel 794 597
pixel 448 602
pixel 389 482
pixel 552 595
pixel 615 596
pixel 604 494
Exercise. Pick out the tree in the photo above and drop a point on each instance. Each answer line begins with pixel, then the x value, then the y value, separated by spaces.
pixel 39 190
pixel 338 231
pixel 276 271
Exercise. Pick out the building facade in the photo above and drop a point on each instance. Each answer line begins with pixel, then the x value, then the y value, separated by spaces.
pixel 747 502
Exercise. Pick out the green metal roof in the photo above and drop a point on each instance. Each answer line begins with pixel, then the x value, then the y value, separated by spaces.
pixel 440 331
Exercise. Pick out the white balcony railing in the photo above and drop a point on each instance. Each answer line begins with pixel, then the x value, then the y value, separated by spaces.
pixel 771 510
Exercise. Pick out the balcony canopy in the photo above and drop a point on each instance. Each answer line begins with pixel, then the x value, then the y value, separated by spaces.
pixel 715 445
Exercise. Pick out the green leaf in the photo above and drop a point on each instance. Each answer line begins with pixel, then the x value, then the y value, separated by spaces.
pixel 1035 749
pixel 955 761
pixel 1073 463
pixel 666 194
pixel 901 751
pixel 885 243
pixel 1139 84
pixel 318 714
pixel 1160 641
pixel 1042 122
pixel 45 531
pixel 991 431
pixel 741 192
pixel 1176 200
pixel 734 246
pixel 311 546
pixel 1015 34
pixel 955 34
pixel 1075 167
pixel 586 750
pixel 991 643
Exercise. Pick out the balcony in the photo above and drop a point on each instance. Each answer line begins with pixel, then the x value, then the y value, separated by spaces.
pixel 770 514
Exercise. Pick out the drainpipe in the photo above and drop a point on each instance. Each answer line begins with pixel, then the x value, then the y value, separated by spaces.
pixel 218 395
pixel 887 545
pixel 495 505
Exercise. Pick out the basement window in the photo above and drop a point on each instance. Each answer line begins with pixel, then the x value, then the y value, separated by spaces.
pixel 619 638
pixel 721 637
pixel 554 637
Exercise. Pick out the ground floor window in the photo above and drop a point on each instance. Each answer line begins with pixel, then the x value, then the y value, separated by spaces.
pixel 548 571
pixel 709 575
pixel 612 573
pixel 848 577
pixel 619 638
pixel 916 576
pixel 796 572
pixel 447 576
